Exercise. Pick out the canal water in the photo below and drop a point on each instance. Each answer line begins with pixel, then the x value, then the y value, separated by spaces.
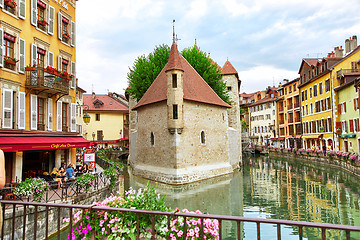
pixel 272 188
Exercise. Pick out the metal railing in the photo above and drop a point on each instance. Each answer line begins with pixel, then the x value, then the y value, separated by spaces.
pixel 66 191
pixel 63 208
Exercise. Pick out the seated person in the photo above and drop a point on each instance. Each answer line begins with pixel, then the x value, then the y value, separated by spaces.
pixel 85 169
pixel 70 172
pixel 91 167
pixel 55 175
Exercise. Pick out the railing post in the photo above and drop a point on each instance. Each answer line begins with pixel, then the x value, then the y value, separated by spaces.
pixel 278 231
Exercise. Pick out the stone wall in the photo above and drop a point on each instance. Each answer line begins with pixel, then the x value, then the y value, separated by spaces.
pixel 181 158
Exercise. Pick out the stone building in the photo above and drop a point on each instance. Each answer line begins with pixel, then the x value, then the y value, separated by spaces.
pixel 180 130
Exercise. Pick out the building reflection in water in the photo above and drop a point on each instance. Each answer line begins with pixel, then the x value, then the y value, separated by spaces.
pixel 271 188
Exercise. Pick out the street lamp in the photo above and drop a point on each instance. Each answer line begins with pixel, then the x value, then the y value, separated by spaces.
pixel 93 135
pixel 86 116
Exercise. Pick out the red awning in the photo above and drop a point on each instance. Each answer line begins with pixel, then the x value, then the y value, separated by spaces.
pixel 111 141
pixel 281 138
pixel 23 142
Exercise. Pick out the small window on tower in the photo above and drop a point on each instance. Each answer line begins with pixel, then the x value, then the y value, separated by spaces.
pixel 229 88
pixel 202 137
pixel 175 111
pixel 152 139
pixel 174 80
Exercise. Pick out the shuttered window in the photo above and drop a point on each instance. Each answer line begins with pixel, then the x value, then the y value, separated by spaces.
pixel 73 117
pixel 60 35
pixel 50 114
pixel 50 59
pixel 7 108
pixel 22 9
pixel 59 116
pixel 34 55
pixel 1 47
pixel 60 63
pixel 51 19
pixel 72 72
pixel 34 13
pixel 21 109
pixel 72 34
pixel 21 55
pixel 33 107
pixel 351 125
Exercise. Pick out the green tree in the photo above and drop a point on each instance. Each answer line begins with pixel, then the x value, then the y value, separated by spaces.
pixel 146 69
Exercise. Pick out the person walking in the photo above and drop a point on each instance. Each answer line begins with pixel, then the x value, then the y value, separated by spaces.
pixel 2 183
pixel 324 149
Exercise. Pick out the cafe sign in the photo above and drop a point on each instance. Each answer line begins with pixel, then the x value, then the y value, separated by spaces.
pixel 62 3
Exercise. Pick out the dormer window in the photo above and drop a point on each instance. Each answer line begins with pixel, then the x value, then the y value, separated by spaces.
pixel 97 105
pixel 174 80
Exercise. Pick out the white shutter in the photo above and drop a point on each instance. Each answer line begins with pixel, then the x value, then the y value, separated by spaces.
pixel 34 12
pixel 33 55
pixel 59 116
pixel 51 20
pixel 72 33
pixel 21 55
pixel 50 114
pixel 73 117
pixel 33 116
pixel 7 110
pixel 50 59
pixel 60 63
pixel 59 26
pixel 21 116
pixel 2 3
pixel 22 9
pixel 72 71
pixel 1 47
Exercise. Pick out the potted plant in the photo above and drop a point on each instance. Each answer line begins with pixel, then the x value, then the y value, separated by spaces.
pixel 85 180
pixel 66 35
pixel 10 60
pixel 10 3
pixel 35 186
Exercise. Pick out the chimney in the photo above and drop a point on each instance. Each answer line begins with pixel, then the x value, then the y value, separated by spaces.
pixel 93 95
pixel 338 52
pixel 353 43
pixel 347 46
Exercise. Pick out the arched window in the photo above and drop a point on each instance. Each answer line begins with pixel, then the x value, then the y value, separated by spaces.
pixel 152 139
pixel 202 137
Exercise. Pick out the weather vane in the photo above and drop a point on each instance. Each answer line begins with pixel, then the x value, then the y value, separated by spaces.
pixel 175 38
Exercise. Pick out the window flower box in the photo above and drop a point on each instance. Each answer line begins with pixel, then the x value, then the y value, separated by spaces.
pixel 43 22
pixel 30 68
pixel 10 3
pixel 66 35
pixel 10 60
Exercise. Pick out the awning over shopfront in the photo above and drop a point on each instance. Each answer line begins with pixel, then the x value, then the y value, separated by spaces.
pixel 281 138
pixel 315 136
pixel 27 142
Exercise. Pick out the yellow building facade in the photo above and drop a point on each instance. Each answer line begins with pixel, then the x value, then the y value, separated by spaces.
pixel 38 86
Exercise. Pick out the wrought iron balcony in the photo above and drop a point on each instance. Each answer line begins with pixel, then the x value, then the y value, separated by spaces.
pixel 39 79
pixel 341 72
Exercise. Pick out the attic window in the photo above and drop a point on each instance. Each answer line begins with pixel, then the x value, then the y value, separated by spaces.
pixel 110 103
pixel 174 80
pixel 97 105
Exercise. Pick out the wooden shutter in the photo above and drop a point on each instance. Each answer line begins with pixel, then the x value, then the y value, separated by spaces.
pixel 73 117
pixel 50 114
pixel 33 107
pixel 34 12
pixel 351 125
pixel 7 108
pixel 21 55
pixel 72 71
pixel 22 9
pixel 59 116
pixel 21 108
pixel 59 26
pixel 1 47
pixel 51 19
pixel 72 33
pixel 50 59
pixel 339 108
pixel 344 107
pixel 357 124
pixel 33 55
pixel 60 63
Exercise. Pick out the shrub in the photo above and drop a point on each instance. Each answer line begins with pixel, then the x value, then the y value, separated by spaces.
pixel 35 186
pixel 85 181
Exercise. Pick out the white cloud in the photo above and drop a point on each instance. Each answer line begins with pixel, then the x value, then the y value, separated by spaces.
pixel 259 77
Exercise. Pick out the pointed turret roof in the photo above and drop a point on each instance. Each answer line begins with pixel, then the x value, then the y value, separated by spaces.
pixel 228 69
pixel 194 86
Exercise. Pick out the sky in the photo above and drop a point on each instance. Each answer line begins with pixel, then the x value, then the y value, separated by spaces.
pixel 265 40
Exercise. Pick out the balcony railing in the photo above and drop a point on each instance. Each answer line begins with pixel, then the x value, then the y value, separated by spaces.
pixel 341 72
pixel 37 78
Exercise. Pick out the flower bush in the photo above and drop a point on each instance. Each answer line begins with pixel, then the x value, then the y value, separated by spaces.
pixel 85 181
pixel 122 225
pixel 35 186
pixel 210 227
pixel 113 175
